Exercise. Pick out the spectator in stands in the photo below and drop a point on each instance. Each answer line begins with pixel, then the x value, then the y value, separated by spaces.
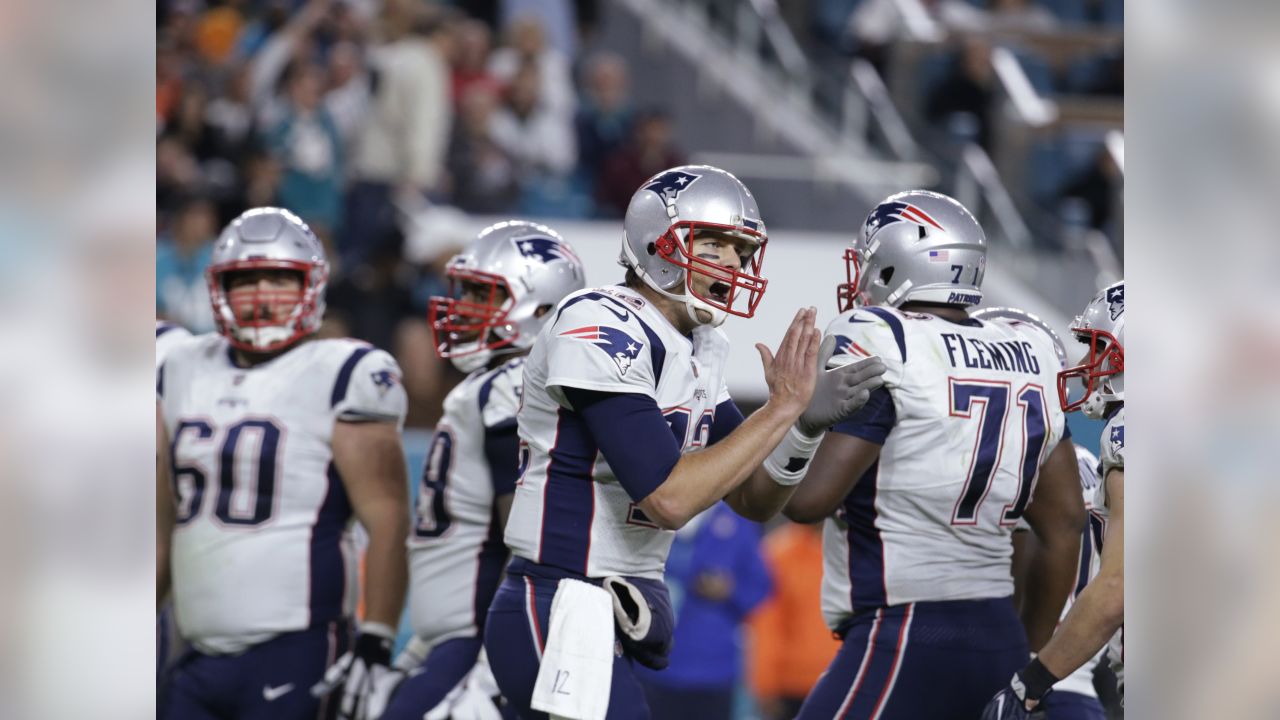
pixel 470 61
pixel 649 151
pixel 717 577
pixel 1020 15
pixel 349 93
pixel 605 116
pixel 482 174
pixel 1096 185
pixel 399 153
pixel 538 138
pixel 182 255
pixel 307 143
pixel 557 18
pixel 526 46
pixel 230 115
pixel 963 98
pixel 790 646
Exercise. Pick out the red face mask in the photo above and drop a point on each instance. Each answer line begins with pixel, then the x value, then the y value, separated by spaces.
pixel 461 327
pixel 728 282
pixel 847 295
pixel 1106 358
pixel 261 310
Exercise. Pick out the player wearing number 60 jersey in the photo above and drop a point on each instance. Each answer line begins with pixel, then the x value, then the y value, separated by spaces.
pixel 921 489
pixel 275 441
pixel 504 285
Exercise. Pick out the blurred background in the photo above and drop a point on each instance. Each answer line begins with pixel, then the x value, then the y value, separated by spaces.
pixel 399 128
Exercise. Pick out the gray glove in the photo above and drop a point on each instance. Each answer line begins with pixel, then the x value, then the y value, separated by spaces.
pixel 840 391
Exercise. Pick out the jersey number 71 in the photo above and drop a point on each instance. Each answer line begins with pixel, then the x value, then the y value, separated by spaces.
pixel 992 401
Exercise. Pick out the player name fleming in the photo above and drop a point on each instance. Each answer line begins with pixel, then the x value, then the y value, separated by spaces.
pixel 1011 356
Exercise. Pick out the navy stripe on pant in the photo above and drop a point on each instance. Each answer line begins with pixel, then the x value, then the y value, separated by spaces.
pixel 937 660
pixel 269 681
pixel 514 637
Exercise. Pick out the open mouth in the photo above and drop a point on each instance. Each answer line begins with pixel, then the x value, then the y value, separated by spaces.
pixel 719 291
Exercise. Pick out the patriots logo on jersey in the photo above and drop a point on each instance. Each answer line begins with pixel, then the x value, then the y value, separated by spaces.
pixel 1115 296
pixel 892 212
pixel 384 380
pixel 670 184
pixel 1117 438
pixel 846 346
pixel 542 249
pixel 619 346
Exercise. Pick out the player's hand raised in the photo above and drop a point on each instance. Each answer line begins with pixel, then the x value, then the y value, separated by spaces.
pixel 789 372
pixel 840 391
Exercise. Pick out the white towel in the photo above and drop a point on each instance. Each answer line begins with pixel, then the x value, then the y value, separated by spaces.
pixel 577 663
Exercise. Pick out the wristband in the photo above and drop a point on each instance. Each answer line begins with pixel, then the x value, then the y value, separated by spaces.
pixel 789 461
pixel 1037 679
pixel 382 630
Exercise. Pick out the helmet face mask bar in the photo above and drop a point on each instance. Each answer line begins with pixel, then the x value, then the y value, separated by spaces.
pixel 251 318
pixel 1104 360
pixel 848 296
pixel 675 247
pixel 461 327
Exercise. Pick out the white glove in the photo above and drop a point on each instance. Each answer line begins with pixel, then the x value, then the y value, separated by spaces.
pixel 840 391
pixel 364 675
pixel 474 698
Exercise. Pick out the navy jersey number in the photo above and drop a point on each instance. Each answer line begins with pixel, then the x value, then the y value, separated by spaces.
pixel 678 419
pixel 254 474
pixel 990 399
pixel 433 515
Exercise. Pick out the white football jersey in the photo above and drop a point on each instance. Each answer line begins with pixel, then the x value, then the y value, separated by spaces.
pixel 168 336
pixel 1112 446
pixel 263 541
pixel 972 415
pixel 570 511
pixel 456 557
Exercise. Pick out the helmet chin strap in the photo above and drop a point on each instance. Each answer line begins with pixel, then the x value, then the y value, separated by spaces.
pixel 263 337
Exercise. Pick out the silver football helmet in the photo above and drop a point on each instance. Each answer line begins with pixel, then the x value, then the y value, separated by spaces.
pixel 662 218
pixel 915 246
pixel 1016 318
pixel 1101 370
pixel 497 285
pixel 267 238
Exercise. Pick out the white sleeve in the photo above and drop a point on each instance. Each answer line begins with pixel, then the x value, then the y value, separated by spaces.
pixel 1113 444
pixel 594 347
pixel 861 334
pixel 371 390
pixel 500 397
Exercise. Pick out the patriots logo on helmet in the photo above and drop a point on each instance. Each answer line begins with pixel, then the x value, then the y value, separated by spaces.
pixel 542 249
pixel 670 184
pixel 619 346
pixel 384 380
pixel 1117 438
pixel 892 212
pixel 1115 297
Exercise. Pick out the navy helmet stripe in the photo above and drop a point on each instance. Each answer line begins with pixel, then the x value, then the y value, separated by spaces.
pixel 895 325
pixel 344 376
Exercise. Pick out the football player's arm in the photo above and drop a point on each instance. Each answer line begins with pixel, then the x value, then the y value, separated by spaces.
pixel 502 452
pixel 1057 516
pixel 370 459
pixel 164 510
pixel 1098 612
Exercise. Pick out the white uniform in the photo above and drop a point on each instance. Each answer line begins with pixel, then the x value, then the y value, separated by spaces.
pixel 971 417
pixel 263 541
pixel 455 556
pixel 168 336
pixel 1112 446
pixel 570 511
pixel 1081 681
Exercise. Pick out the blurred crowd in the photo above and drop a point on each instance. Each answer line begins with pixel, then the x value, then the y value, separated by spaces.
pixel 359 114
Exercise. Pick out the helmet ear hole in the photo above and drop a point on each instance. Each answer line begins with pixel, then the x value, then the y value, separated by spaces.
pixel 923 233
pixel 886 275
pixel 652 248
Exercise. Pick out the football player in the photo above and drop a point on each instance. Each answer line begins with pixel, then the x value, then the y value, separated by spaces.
pixel 504 285
pixel 627 431
pixel 168 336
pixel 1096 618
pixel 274 440
pixel 921 489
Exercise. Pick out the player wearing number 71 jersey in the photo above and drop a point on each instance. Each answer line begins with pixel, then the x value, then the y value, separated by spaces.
pixel 275 442
pixel 921 489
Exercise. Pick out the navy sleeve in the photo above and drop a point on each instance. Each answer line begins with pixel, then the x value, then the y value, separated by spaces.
pixel 728 417
pixel 631 433
pixel 874 421
pixel 502 452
